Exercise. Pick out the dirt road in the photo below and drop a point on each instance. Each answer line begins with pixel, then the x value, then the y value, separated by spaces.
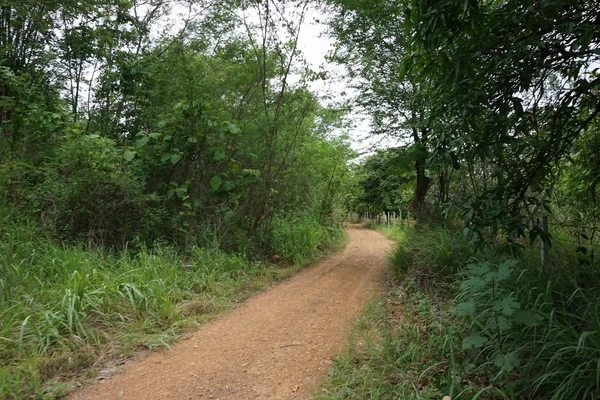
pixel 278 345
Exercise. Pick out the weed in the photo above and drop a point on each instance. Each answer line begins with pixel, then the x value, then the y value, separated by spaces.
pixel 64 309
pixel 475 324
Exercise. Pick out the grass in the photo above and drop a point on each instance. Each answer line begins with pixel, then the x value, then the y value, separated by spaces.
pixel 296 241
pixel 394 350
pixel 65 311
pixel 473 324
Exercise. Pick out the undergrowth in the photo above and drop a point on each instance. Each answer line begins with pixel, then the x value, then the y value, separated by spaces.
pixel 394 350
pixel 474 323
pixel 296 240
pixel 68 310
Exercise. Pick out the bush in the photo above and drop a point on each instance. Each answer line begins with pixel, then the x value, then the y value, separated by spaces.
pixel 61 305
pixel 297 240
pixel 512 329
pixel 534 340
pixel 431 254
pixel 86 193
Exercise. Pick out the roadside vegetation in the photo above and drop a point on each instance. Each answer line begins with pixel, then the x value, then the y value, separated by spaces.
pixel 156 157
pixel 68 311
pixel 159 162
pixel 494 290
pixel 490 327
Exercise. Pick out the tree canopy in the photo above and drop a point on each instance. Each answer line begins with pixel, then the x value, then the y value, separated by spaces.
pixel 507 91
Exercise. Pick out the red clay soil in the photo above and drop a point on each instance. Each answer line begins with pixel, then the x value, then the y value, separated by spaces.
pixel 278 345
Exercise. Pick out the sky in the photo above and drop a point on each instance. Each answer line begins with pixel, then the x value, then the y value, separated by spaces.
pixel 315 43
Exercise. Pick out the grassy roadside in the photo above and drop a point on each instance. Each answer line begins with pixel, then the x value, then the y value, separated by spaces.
pixel 472 324
pixel 66 312
pixel 393 351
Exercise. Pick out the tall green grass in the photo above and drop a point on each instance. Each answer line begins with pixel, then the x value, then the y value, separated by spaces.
pixel 485 326
pixel 395 350
pixel 64 309
pixel 299 240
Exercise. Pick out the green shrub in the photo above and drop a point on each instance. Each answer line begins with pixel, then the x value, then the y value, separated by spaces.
pixel 531 338
pixel 433 254
pixel 395 352
pixel 85 192
pixel 298 240
pixel 61 304
pixel 494 327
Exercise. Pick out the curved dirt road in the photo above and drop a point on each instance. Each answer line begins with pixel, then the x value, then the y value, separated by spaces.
pixel 278 345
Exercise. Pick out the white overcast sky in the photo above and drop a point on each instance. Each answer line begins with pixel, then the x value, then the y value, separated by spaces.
pixel 316 44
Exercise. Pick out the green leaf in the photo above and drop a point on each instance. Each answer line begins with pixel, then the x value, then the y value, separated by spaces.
pixel 507 362
pixel 234 129
pixel 526 318
pixel 228 186
pixel 474 341
pixel 500 322
pixel 505 270
pixel 479 269
pixel 464 309
pixel 474 284
pixel 507 306
pixel 165 157
pixel 175 158
pixel 220 155
pixel 142 141
pixel 155 135
pixel 129 155
pixel 192 139
pixel 235 167
pixel 215 182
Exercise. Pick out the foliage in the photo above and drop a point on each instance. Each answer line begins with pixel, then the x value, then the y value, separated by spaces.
pixel 394 350
pixel 504 91
pixel 381 182
pixel 87 193
pixel 297 240
pixel 145 172
pixel 486 326
pixel 534 339
pixel 502 98
pixel 199 133
pixel 63 308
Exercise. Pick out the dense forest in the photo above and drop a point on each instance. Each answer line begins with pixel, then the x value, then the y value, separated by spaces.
pixel 157 157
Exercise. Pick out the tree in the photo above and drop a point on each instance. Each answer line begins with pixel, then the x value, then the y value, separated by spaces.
pixel 508 87
pixel 372 46
pixel 382 182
